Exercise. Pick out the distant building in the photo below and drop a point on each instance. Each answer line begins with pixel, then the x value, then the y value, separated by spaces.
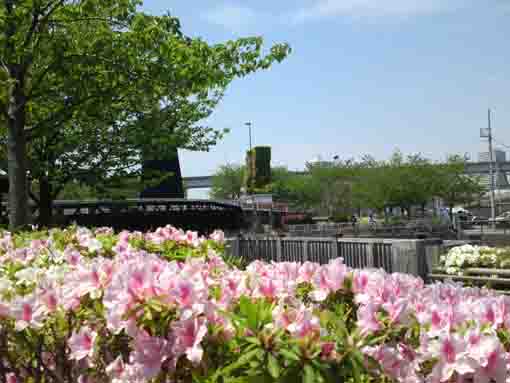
pixel 497 156
pixel 500 179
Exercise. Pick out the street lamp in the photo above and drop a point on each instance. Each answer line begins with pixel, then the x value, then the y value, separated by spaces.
pixel 254 206
pixel 248 124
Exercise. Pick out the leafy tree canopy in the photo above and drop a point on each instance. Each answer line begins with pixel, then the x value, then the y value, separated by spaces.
pixel 86 86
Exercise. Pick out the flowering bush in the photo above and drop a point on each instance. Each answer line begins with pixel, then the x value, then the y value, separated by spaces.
pixel 462 257
pixel 77 305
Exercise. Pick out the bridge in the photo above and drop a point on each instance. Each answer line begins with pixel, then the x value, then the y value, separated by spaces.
pixel 203 216
pixel 472 168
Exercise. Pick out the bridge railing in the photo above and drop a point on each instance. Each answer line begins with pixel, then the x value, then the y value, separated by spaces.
pixel 414 256
pixel 410 230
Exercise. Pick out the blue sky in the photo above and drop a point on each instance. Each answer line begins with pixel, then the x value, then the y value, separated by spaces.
pixel 365 77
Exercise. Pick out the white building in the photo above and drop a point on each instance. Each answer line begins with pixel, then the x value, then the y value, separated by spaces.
pixel 500 179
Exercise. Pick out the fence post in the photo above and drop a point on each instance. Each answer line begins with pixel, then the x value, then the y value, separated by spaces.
pixel 404 257
pixel 279 244
pixel 433 252
pixel 334 251
pixel 412 257
pixel 370 254
pixel 232 247
pixel 305 250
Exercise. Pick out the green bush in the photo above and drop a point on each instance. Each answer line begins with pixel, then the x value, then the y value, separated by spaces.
pixel 341 218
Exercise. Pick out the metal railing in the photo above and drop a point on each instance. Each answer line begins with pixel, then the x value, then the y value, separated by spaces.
pixel 413 229
pixel 412 256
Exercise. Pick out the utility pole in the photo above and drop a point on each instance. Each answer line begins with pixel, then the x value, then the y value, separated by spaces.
pixel 491 171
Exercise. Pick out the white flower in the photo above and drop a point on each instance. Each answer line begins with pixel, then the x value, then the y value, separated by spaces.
pixel 5 284
pixel 28 275
pixel 57 273
pixel 94 245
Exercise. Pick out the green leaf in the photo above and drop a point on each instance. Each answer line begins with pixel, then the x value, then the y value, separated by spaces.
pixel 273 366
pixel 243 359
pixel 289 355
pixel 309 374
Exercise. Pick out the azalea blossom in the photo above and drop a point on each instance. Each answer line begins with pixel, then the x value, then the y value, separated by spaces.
pixel 188 335
pixel 82 343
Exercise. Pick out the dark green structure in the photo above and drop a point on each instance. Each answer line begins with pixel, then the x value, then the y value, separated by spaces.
pixel 258 165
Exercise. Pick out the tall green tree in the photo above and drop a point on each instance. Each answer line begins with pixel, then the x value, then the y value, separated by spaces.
pixel 87 85
pixel 228 182
pixel 454 187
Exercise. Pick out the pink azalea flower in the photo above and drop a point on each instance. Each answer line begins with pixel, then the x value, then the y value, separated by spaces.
pixel 452 357
pixel 397 311
pixel 72 256
pixel 329 278
pixel 50 299
pixel 388 358
pixel 502 310
pixel 4 309
pixel 367 320
pixel 28 312
pixel 218 236
pixel 10 377
pixel 268 288
pixel 490 355
pixel 305 324
pixel 328 351
pixel 148 355
pixel 116 368
pixel 360 281
pixel 307 271
pixel 82 343
pixel 188 336
pixel 283 317
pixel 494 370
pixel 183 293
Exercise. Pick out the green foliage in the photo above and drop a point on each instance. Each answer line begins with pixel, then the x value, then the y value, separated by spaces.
pixel 339 218
pixel 342 187
pixel 258 163
pixel 455 187
pixel 101 83
pixel 227 182
pixel 259 353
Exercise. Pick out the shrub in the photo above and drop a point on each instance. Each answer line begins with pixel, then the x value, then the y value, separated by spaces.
pixel 163 306
pixel 466 256
pixel 341 218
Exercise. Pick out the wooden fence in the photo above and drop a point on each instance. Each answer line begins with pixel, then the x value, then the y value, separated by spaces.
pixel 413 256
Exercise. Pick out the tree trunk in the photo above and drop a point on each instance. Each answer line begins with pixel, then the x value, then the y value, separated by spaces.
pixel 16 157
pixel 45 202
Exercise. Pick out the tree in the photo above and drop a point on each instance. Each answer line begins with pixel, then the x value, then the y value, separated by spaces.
pixel 325 188
pixel 454 186
pixel 87 85
pixel 402 181
pixel 227 182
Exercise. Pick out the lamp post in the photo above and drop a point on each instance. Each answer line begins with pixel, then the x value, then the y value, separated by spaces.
pixel 248 124
pixel 254 203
